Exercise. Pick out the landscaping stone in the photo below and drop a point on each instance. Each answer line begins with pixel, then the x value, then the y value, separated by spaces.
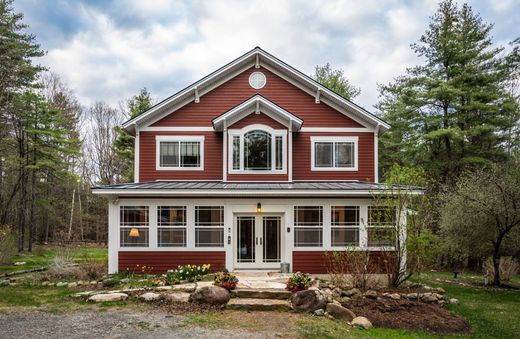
pixel 362 322
pixel 371 294
pixel 93 282
pixel 150 296
pixel 336 293
pixel 394 296
pixel 72 285
pixel 453 301
pixel 163 288
pixel 4 282
pixel 440 290
pixel 62 284
pixel 319 312
pixel 327 293
pixel 133 290
pixel 125 281
pixel 19 263
pixel 189 287
pixel 342 300
pixel 200 284
pixel 108 297
pixel 250 304
pixel 213 295
pixel 177 297
pixel 45 283
pixel 351 292
pixel 340 312
pixel 308 301
pixel 429 297
pixel 261 294
pixel 80 283
pixel 412 296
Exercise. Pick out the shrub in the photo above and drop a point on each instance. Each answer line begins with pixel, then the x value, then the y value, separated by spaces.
pixel 7 244
pixel 191 272
pixel 351 262
pixel 507 268
pixel 298 282
pixel 92 270
pixel 226 279
pixel 62 266
pixel 111 282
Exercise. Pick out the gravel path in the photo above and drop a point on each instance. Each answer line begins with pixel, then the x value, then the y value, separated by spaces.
pixel 110 324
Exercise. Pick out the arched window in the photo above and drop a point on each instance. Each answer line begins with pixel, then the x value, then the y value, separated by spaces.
pixel 257 150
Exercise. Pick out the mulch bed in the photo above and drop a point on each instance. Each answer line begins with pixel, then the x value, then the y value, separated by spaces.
pixel 187 307
pixel 410 315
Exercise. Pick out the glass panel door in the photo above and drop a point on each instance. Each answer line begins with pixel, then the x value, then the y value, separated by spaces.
pixel 271 239
pixel 246 239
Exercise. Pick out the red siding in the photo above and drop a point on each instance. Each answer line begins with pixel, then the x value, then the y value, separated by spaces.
pixel 162 261
pixel 315 262
pixel 302 159
pixel 257 119
pixel 212 158
pixel 237 90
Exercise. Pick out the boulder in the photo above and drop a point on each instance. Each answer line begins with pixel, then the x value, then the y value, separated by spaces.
pixel 336 293
pixel 108 297
pixel 319 312
pixel 453 301
pixel 308 301
pixel 440 290
pixel 371 294
pixel 352 292
pixel 178 297
pixel 429 297
pixel 150 296
pixel 340 312
pixel 213 295
pixel 362 322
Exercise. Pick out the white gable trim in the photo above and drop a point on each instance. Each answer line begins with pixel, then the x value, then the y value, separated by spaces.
pixel 257 57
pixel 260 104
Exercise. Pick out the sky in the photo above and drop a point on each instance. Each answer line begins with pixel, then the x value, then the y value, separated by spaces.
pixel 108 50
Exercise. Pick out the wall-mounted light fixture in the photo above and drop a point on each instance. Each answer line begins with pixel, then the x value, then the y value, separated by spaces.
pixel 259 208
pixel 134 232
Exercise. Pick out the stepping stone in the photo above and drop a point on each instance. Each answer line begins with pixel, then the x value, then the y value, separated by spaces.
pixel 183 297
pixel 108 297
pixel 190 287
pixel 150 296
pixel 201 284
pixel 261 293
pixel 249 304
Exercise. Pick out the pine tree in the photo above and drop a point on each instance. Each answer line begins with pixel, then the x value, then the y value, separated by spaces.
pixel 124 144
pixel 452 112
pixel 336 81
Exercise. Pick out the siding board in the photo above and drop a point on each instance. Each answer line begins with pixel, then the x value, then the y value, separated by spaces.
pixel 161 261
pixel 315 262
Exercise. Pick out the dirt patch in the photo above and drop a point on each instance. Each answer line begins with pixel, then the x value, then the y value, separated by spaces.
pixel 410 315
pixel 187 307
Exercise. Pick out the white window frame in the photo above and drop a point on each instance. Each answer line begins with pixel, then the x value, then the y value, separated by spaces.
pixel 181 226
pixel 334 140
pixel 219 226
pixel 345 226
pixel 319 226
pixel 274 133
pixel 178 138
pixel 379 225
pixel 139 226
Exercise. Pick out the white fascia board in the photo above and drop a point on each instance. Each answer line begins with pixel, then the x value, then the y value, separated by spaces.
pixel 242 193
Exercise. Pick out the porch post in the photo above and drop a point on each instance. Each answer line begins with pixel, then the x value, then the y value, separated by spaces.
pixel 113 235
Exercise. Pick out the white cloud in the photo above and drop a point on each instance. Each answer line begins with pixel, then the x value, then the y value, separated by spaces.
pixel 166 45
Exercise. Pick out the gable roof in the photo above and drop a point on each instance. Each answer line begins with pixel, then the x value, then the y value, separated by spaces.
pixel 257 104
pixel 259 58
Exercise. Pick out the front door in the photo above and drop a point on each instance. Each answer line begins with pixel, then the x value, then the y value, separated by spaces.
pixel 258 242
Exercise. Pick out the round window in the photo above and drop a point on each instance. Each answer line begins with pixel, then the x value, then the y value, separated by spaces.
pixel 257 80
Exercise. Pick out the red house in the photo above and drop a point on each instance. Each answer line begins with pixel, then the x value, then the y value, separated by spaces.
pixel 253 166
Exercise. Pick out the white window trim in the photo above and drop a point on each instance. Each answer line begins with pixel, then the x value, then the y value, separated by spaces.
pixel 317 226
pixel 345 226
pixel 274 133
pixel 316 139
pixel 183 226
pixel 178 138
pixel 220 227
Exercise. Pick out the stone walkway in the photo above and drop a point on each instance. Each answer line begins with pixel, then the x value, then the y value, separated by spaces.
pixel 262 280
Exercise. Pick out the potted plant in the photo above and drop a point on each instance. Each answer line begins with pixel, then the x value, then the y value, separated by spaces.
pixel 298 282
pixel 226 279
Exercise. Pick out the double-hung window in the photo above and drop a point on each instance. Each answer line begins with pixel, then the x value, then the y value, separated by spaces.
pixel 334 153
pixel 179 152
pixel 209 226
pixel 308 226
pixel 134 226
pixel 256 149
pixel 381 226
pixel 171 226
pixel 345 225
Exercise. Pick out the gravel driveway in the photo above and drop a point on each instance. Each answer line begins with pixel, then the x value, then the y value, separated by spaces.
pixel 110 324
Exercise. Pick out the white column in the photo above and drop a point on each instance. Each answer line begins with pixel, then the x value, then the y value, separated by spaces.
pixel 136 154
pixel 190 226
pixel 289 153
pixel 327 236
pixel 363 220
pixel 229 225
pixel 289 236
pixel 224 151
pixel 113 235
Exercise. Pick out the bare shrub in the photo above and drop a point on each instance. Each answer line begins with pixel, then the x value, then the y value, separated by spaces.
pixel 349 268
pixel 7 244
pixel 62 266
pixel 507 267
pixel 91 269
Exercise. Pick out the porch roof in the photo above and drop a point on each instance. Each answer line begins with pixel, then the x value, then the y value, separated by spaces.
pixel 250 189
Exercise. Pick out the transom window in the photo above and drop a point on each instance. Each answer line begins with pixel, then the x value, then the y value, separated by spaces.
pixel 134 226
pixel 308 226
pixel 180 152
pixel 334 153
pixel 257 148
pixel 171 226
pixel 345 225
pixel 209 226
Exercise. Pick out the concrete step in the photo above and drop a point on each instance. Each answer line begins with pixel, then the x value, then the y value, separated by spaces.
pixel 249 304
pixel 253 293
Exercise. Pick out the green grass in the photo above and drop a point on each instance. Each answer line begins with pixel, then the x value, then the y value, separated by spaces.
pixel 43 256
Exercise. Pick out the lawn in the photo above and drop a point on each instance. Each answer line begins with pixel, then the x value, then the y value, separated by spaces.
pixel 492 313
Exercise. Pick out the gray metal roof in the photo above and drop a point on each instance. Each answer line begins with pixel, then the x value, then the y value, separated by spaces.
pixel 218 185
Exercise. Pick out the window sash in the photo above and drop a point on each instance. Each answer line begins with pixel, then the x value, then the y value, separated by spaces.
pixel 180 154
pixel 209 237
pixel 342 212
pixel 303 213
pixel 134 216
pixel 240 158
pixel 171 236
pixel 177 213
pixel 340 236
pixel 215 213
pixel 125 240
pixel 334 154
pixel 254 153
pixel 308 237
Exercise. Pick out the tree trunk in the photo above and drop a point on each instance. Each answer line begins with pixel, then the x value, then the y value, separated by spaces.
pixel 31 218
pixel 71 213
pixel 80 212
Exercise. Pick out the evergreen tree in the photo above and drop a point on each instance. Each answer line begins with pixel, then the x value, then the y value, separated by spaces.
pixel 452 112
pixel 124 143
pixel 336 81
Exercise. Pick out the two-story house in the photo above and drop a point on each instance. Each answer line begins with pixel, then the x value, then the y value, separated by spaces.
pixel 252 166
